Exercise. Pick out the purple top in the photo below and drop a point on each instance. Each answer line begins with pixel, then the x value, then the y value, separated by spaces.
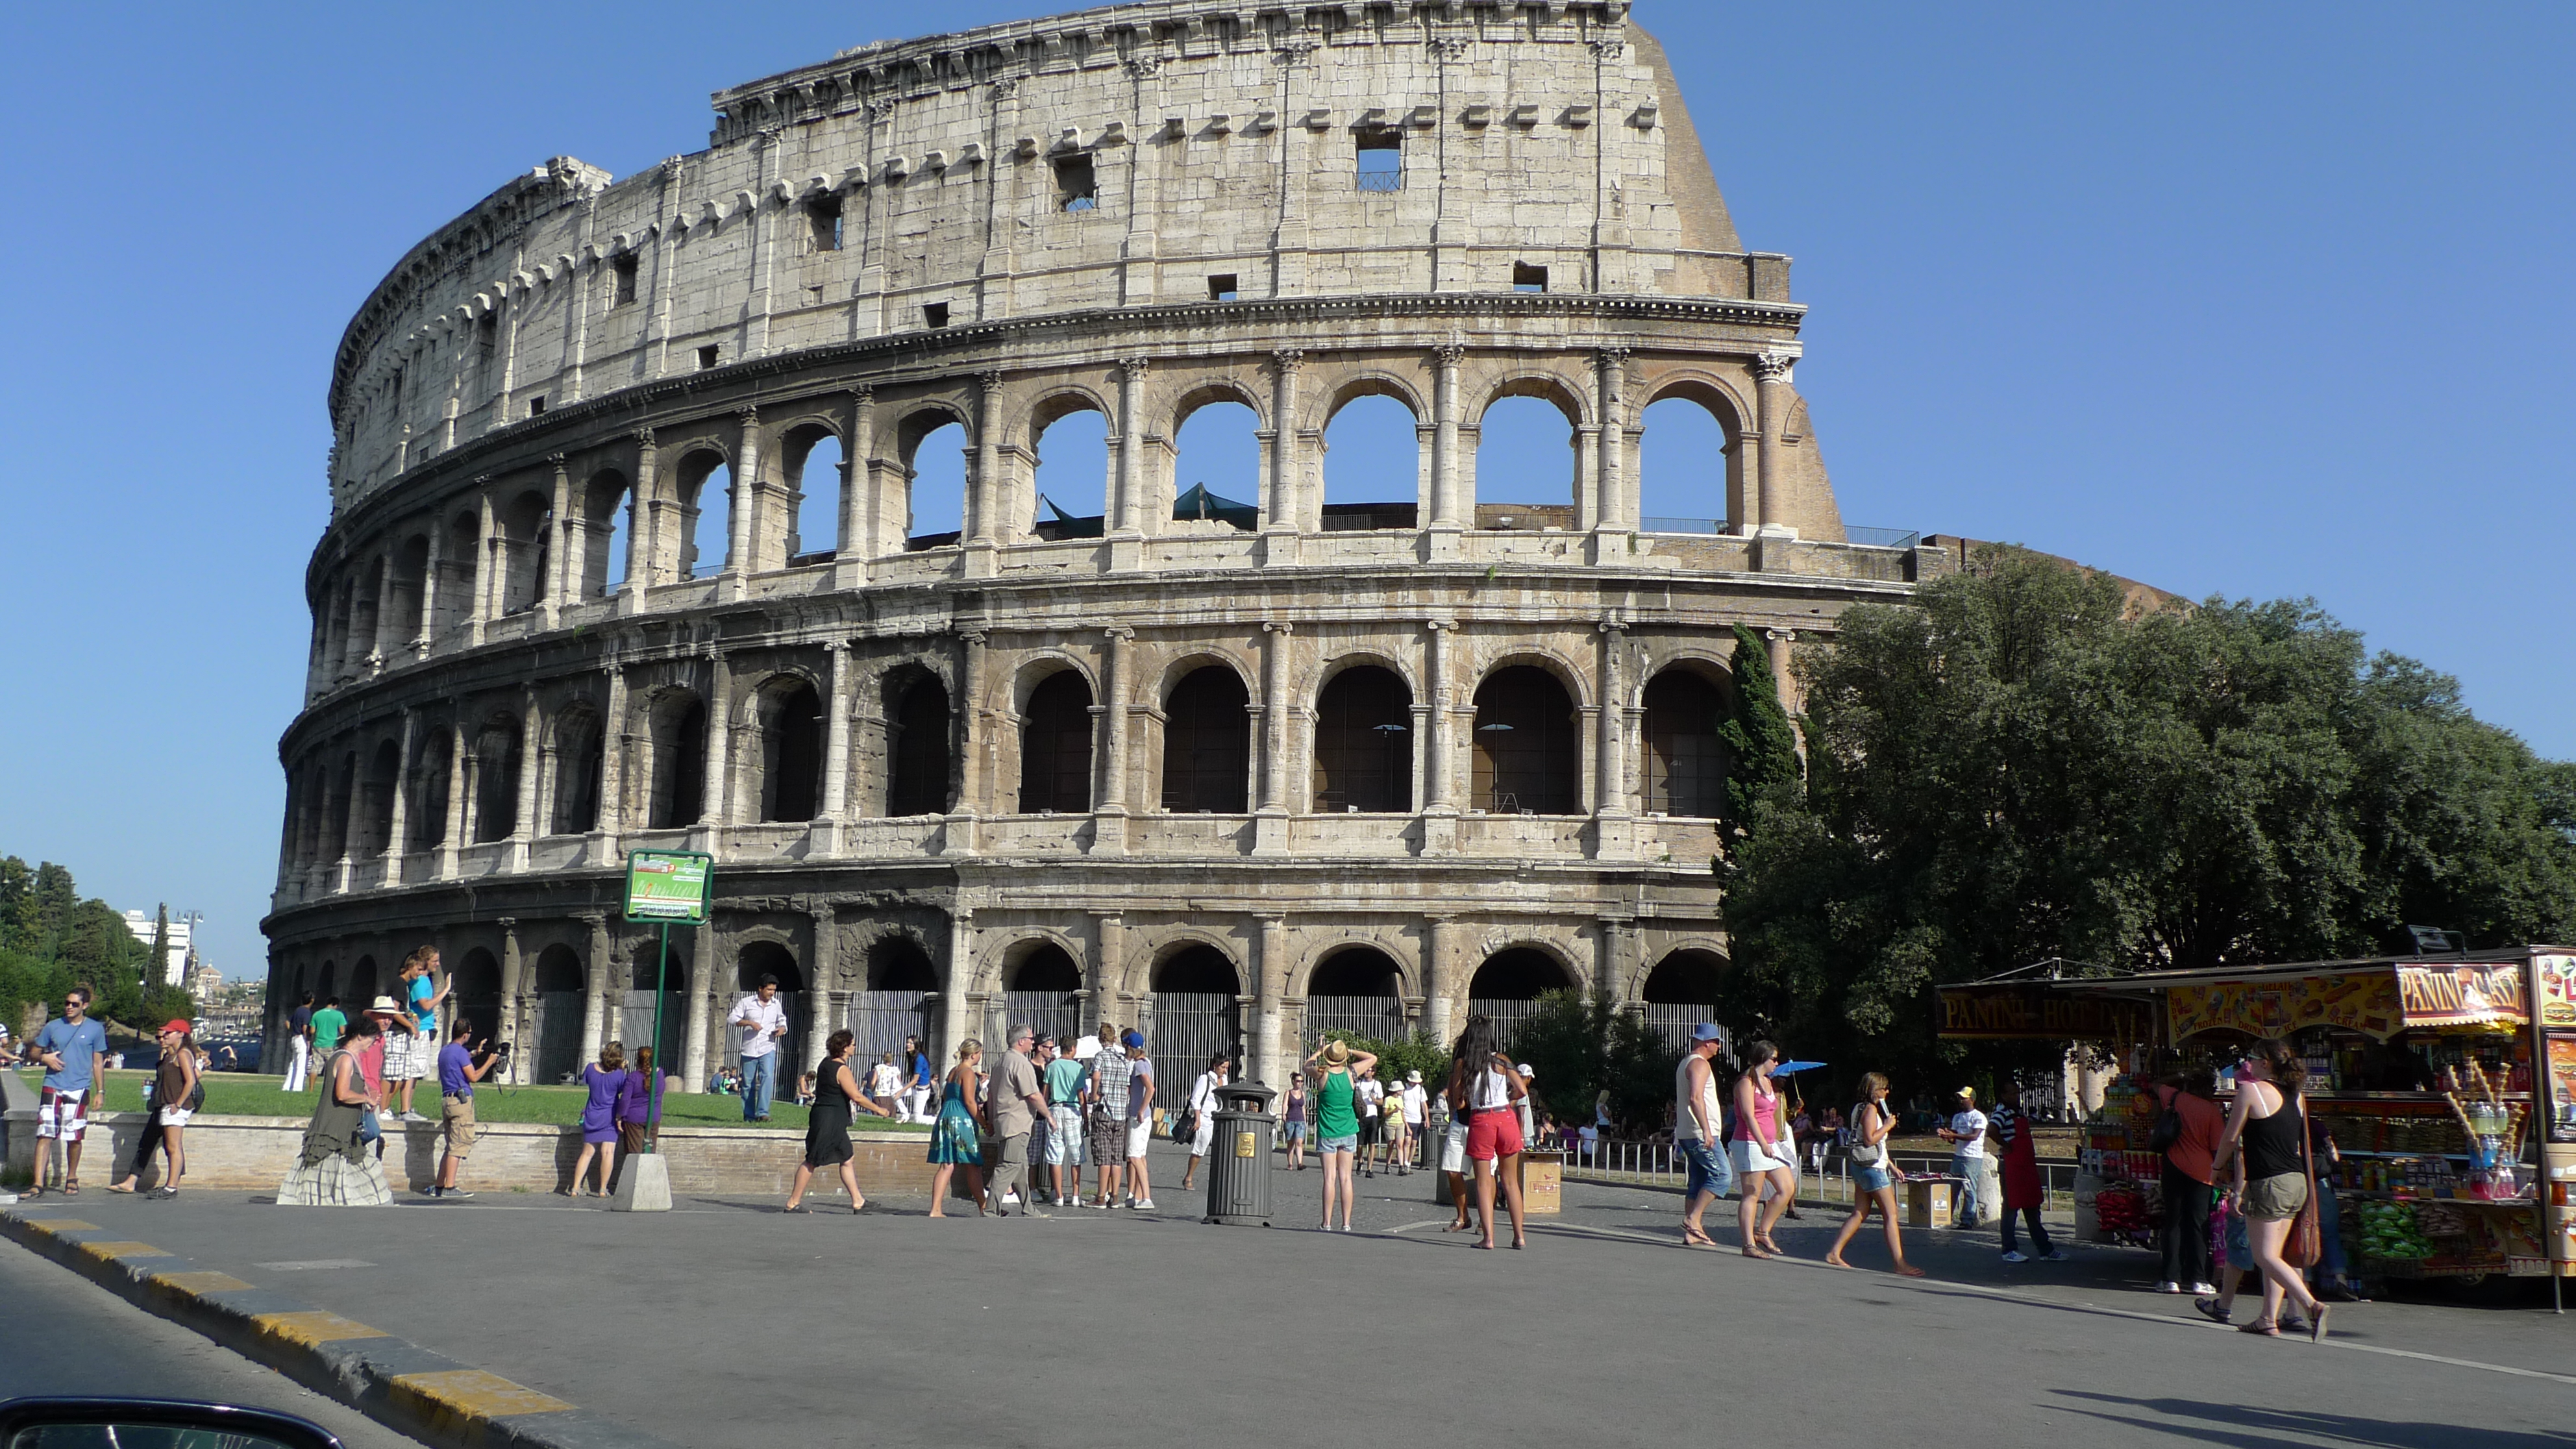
pixel 631 1094
pixel 597 1114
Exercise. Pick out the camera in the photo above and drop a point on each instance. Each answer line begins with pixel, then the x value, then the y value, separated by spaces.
pixel 498 1051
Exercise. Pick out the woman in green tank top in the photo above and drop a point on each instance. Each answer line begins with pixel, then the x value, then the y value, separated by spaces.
pixel 1337 1125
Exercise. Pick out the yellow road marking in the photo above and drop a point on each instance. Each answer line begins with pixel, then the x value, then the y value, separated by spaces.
pixel 310 1326
pixel 59 1225
pixel 472 1393
pixel 113 1251
pixel 199 1282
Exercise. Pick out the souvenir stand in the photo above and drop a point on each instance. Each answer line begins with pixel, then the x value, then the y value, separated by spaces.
pixel 2449 1086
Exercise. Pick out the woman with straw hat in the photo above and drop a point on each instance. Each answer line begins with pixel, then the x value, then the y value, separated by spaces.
pixel 1337 1124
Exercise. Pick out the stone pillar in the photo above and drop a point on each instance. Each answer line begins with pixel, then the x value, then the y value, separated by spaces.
pixel 596 982
pixel 824 1003
pixel 952 988
pixel 513 1024
pixel 702 1008
pixel 1613 510
pixel 740 510
pixel 1127 510
pixel 857 539
pixel 421 641
pixel 352 816
pixel 1270 978
pixel 552 594
pixel 1283 505
pixel 489 566
pixel 1610 790
pixel 381 648
pixel 840 681
pixel 532 761
pixel 1439 975
pixel 398 811
pixel 643 541
pixel 983 491
pixel 1441 788
pixel 1270 832
pixel 452 835
pixel 1782 682
pixel 1771 374
pixel 612 763
pixel 719 744
pixel 1109 811
pixel 1449 512
pixel 1108 967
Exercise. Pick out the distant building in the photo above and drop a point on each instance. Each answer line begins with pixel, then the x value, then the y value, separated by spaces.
pixel 205 982
pixel 172 968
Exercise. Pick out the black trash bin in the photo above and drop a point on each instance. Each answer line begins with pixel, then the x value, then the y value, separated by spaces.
pixel 1239 1156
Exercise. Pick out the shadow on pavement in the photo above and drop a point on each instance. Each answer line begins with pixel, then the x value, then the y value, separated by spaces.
pixel 2244 1425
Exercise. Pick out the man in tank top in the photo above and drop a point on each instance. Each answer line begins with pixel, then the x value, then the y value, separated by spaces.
pixel 1697 1123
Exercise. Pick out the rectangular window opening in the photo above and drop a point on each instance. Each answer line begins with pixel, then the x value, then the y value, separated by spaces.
pixel 707 356
pixel 934 314
pixel 1526 278
pixel 625 293
pixel 1381 161
pixel 1076 188
pixel 536 405
pixel 1221 288
pixel 487 332
pixel 825 214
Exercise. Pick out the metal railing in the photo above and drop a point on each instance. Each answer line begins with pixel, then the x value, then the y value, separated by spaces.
pixel 1381 180
pixel 1654 1163
pixel 1852 533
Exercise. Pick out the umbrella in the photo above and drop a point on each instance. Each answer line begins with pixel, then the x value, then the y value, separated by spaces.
pixel 1791 1069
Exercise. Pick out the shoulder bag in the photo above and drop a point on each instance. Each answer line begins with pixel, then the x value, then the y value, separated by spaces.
pixel 1865 1153
pixel 2168 1130
pixel 2305 1245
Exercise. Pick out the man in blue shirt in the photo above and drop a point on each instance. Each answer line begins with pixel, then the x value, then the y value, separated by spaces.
pixel 73 1051
pixel 459 1068
pixel 413 1056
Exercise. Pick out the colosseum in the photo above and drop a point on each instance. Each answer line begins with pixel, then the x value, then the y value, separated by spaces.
pixel 826 500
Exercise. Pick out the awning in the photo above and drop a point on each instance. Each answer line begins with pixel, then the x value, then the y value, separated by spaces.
pixel 2037 1011
pixel 2377 998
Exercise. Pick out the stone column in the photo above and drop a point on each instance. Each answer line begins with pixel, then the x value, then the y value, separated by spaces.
pixel 1270 983
pixel 1771 374
pixel 1449 512
pixel 1270 832
pixel 552 594
pixel 1612 510
pixel 971 784
pixel 840 680
pixel 381 648
pixel 1610 790
pixel 1439 975
pixel 857 540
pixel 983 500
pixel 490 566
pixel 1441 789
pixel 344 870
pixel 822 997
pixel 1782 681
pixel 740 510
pixel 602 970
pixel 612 766
pixel 452 835
pixel 703 984
pixel 533 759
pixel 719 745
pixel 398 811
pixel 1283 504
pixel 643 543
pixel 514 983
pixel 1109 811
pixel 1127 510
pixel 421 641
pixel 953 1026
pixel 1108 967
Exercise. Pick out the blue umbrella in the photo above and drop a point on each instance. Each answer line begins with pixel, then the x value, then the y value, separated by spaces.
pixel 1791 1069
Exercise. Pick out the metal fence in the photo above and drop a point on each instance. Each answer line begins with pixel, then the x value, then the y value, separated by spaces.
pixel 1049 1013
pixel 1654 1163
pixel 1507 1015
pixel 882 1019
pixel 634 1024
pixel 551 1050
pixel 1380 1017
pixel 1186 1028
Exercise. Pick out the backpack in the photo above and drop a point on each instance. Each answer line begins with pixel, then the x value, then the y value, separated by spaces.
pixel 2168 1129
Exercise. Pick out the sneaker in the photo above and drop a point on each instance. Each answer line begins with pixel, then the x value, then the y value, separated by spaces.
pixel 1144 1206
pixel 2016 1256
pixel 1036 1213
pixel 455 1193
pixel 2169 1286
pixel 2053 1255
pixel 413 1117
pixel 2205 1290
pixel 433 1192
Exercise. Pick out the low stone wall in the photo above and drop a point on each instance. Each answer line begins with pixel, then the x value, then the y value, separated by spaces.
pixel 254 1154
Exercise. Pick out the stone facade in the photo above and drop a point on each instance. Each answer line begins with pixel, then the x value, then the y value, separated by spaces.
pixel 1242 776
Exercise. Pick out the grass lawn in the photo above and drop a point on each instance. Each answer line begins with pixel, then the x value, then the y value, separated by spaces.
pixel 248 1095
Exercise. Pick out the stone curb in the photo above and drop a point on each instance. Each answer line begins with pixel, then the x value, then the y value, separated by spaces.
pixel 399 1384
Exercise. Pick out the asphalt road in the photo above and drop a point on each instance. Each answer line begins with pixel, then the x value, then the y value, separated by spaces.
pixel 727 1322
pixel 60 1334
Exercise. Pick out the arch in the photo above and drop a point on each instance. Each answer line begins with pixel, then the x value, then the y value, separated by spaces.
pixel 361 986
pixel 1529 464
pixel 1364 742
pixel 704 490
pixel 920 744
pixel 430 789
pixel 1070 470
pixel 1526 744
pixel 772 958
pixel 1196 1015
pixel 676 767
pixel 527 533
pixel 934 480
pixel 1216 450
pixel 607 546
pixel 376 803
pixel 902 986
pixel 581 766
pixel 633 1022
pixel 1195 966
pixel 1040 982
pixel 498 753
pixel 551 1047
pixel 1207 742
pixel 1377 483
pixel 788 714
pixel 1681 992
pixel 1055 746
pixel 474 992
pixel 330 983
pixel 1690 457
pixel 361 644
pixel 459 570
pixel 1043 966
pixel 1520 973
pixel 812 460
pixel 648 966
pixel 900 963
pixel 767 958
pixel 343 784
pixel 411 585
pixel 558 969
pixel 1685 756
pixel 1356 988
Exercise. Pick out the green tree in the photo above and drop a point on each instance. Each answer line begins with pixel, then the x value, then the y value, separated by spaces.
pixel 1757 733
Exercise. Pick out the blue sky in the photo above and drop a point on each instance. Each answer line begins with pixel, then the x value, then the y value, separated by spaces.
pixel 2255 300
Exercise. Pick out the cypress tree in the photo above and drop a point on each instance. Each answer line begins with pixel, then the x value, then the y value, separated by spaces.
pixel 1757 732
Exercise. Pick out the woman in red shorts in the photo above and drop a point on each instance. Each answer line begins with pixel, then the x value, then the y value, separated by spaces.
pixel 1484 1087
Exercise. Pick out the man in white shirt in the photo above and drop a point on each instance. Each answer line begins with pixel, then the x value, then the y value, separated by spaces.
pixel 1366 1094
pixel 1203 1105
pixel 761 1021
pixel 1966 1135
pixel 1417 1112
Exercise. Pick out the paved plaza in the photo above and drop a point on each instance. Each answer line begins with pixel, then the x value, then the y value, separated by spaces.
pixel 726 1322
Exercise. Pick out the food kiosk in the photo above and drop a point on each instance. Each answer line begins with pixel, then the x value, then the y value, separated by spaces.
pixel 2450 1087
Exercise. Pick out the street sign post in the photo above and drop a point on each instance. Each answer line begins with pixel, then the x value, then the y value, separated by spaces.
pixel 665 888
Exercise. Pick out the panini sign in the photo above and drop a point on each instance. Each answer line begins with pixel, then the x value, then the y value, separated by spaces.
pixel 2034 1013
pixel 2467 993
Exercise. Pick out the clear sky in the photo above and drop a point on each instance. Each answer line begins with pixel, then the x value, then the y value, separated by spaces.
pixel 2255 300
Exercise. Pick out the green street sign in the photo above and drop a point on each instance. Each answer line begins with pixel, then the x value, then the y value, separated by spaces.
pixel 669 886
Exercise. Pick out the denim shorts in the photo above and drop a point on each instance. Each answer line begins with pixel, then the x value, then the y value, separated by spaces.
pixel 1871 1179
pixel 1707 1167
pixel 1294 1131
pixel 1338 1144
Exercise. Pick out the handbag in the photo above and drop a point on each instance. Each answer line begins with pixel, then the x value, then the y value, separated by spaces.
pixel 1863 1153
pixel 2168 1129
pixel 2305 1244
pixel 1185 1125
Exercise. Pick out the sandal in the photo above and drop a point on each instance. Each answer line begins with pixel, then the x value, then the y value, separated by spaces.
pixel 2214 1310
pixel 1910 1271
pixel 121 1189
pixel 2258 1326
pixel 71 1187
pixel 2317 1324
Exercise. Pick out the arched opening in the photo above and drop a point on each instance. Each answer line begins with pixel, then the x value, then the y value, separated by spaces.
pixel 362 614
pixel 706 505
pixel 607 541
pixel 474 994
pixel 1680 993
pixel 1685 757
pixel 1216 465
pixel 768 958
pixel 459 573
pixel 376 807
pixel 1526 465
pixel 1357 988
pixel 527 529
pixel 329 985
pixel 497 758
pixel 917 778
pixel 790 716
pixel 1195 1016
pixel 1055 747
pixel 1372 463
pixel 1526 744
pixel 813 457
pixel 1207 743
pixel 1508 985
pixel 634 1019
pixel 1070 476
pixel 361 987
pixel 1690 467
pixel 1038 988
pixel 553 1045
pixel 581 759
pixel 677 771
pixel 934 461
pixel 902 987
pixel 1364 742
pixel 427 824
pixel 335 808
pixel 411 582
